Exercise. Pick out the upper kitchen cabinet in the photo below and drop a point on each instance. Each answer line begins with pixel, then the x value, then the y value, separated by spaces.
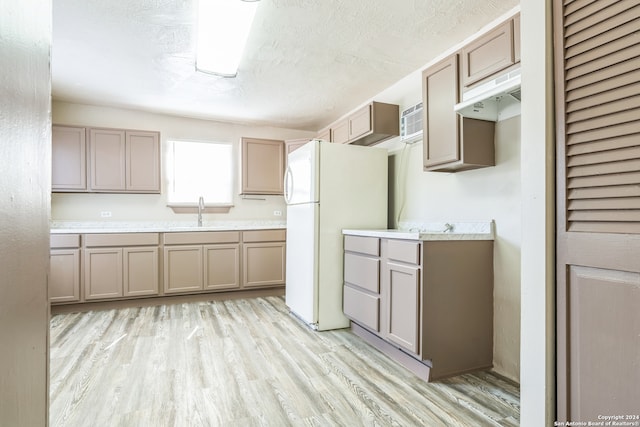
pixel 262 166
pixel 450 143
pixel 69 159
pixel 369 125
pixel 124 161
pixel 491 53
pixel 325 134
pixel 294 144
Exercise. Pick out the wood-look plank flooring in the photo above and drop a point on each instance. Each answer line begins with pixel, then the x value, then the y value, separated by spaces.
pixel 247 362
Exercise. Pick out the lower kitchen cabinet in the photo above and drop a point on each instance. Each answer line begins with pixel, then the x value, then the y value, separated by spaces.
pixel 102 273
pixel 222 267
pixel 64 268
pixel 202 260
pixel 112 266
pixel 427 304
pixel 183 270
pixel 403 311
pixel 263 258
pixel 140 271
pixel 120 265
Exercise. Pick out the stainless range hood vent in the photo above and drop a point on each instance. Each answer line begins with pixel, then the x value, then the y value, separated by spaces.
pixel 494 100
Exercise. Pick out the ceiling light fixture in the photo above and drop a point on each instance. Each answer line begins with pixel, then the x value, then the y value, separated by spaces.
pixel 223 29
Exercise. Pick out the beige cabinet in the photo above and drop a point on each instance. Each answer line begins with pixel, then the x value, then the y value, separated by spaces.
pixel 451 143
pixel 369 125
pixel 120 265
pixel 124 161
pixel 262 166
pixel 340 132
pixel 140 271
pixel 361 298
pixel 221 266
pixel 293 144
pixel 415 296
pixel 68 159
pixel 263 256
pixel 142 161
pixel 64 268
pixel 402 293
pixel 488 54
pixel 107 154
pixel 102 273
pixel 325 134
pixel 197 261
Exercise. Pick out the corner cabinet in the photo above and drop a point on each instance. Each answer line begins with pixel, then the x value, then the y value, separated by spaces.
pixel 413 301
pixel 262 169
pixel 451 143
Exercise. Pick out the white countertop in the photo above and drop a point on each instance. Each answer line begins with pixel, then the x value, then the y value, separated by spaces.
pixel 89 227
pixel 432 231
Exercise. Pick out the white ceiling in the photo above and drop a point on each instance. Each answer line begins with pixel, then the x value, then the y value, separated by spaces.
pixel 307 62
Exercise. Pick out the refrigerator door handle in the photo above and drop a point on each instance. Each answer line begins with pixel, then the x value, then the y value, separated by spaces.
pixel 288 185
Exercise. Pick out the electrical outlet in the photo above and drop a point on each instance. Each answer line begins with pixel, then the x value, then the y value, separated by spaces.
pixel 105 214
pixel 277 213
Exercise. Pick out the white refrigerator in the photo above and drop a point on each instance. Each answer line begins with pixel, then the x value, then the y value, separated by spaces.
pixel 328 187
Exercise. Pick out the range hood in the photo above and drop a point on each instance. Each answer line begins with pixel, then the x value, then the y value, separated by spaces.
pixel 494 100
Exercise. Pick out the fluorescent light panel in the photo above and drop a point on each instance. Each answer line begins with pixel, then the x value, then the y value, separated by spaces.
pixel 223 29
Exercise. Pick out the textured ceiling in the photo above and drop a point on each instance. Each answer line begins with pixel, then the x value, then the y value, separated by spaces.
pixel 307 62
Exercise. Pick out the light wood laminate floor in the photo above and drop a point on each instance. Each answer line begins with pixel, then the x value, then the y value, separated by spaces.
pixel 247 362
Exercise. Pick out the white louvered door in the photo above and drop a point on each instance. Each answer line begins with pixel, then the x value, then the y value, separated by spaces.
pixel 597 76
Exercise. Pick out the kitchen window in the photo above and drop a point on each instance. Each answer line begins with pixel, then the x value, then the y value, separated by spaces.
pixel 200 169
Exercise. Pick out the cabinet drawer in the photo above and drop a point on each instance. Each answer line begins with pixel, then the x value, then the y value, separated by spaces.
pixel 404 251
pixel 363 245
pixel 362 308
pixel 64 241
pixel 264 236
pixel 201 237
pixel 120 239
pixel 362 271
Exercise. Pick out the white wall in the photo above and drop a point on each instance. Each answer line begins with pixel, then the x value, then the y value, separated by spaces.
pixel 25 158
pixel 152 207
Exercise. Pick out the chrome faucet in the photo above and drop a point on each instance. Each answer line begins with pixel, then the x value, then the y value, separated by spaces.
pixel 448 228
pixel 200 209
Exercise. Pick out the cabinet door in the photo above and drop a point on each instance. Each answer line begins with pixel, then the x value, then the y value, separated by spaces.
pixel 142 161
pixel 68 159
pixel 102 273
pixel 441 124
pixel 264 264
pixel 403 315
pixel 107 152
pixel 64 275
pixel 293 144
pixel 140 267
pixel 360 122
pixel 340 132
pixel 488 54
pixel 222 266
pixel 516 38
pixel 183 269
pixel 262 166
